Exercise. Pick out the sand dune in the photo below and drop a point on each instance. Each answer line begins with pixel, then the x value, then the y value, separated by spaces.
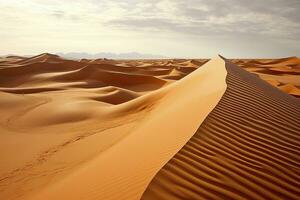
pixel 150 129
pixel 65 115
pixel 282 73
pixel 247 148
pixel 45 57
pixel 141 147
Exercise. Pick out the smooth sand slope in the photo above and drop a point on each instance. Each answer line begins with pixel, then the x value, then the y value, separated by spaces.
pixel 247 148
pixel 96 129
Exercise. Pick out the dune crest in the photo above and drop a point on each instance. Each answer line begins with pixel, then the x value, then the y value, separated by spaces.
pixel 247 148
pixel 182 107
pixel 76 115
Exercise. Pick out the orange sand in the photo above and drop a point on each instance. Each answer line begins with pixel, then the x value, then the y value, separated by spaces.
pixel 247 148
pixel 90 120
pixel 150 129
pixel 282 73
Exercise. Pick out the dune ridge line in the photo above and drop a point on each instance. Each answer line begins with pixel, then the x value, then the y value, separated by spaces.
pixel 247 148
pixel 63 113
pixel 125 170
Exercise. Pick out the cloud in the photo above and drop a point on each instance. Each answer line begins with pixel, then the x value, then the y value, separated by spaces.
pixel 58 14
pixel 126 25
pixel 276 18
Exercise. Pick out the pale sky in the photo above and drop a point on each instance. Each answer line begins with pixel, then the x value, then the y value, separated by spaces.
pixel 173 28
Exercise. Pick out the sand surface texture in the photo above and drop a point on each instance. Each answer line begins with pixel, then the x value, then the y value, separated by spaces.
pixel 247 148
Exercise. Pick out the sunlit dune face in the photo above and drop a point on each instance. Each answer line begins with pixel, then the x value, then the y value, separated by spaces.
pixel 52 106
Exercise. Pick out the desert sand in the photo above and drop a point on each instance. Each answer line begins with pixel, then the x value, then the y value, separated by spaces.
pixel 149 129
pixel 282 73
pixel 247 148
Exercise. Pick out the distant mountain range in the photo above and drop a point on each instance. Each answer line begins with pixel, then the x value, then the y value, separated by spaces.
pixel 129 55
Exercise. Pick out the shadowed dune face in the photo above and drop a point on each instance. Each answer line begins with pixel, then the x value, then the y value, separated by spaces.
pixel 247 148
pixel 282 73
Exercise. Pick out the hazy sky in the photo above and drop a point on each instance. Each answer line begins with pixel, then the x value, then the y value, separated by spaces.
pixel 174 28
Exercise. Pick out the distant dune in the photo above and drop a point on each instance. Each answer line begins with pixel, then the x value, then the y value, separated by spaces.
pixel 282 73
pixel 149 129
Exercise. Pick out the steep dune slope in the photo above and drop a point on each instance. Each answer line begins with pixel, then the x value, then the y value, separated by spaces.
pixel 247 148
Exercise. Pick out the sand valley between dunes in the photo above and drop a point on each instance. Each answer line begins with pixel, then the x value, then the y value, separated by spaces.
pixel 149 129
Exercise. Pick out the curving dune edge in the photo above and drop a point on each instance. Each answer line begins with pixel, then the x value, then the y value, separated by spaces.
pixel 98 129
pixel 247 148
pixel 146 149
